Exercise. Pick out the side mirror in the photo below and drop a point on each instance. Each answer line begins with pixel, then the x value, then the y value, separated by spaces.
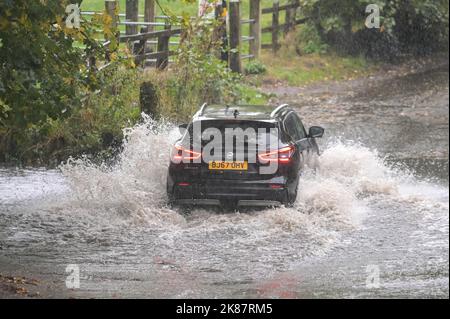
pixel 316 131
pixel 182 128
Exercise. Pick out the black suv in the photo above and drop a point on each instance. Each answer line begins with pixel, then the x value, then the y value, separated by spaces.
pixel 245 155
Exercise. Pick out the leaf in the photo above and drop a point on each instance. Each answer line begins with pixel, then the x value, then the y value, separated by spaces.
pixel 4 23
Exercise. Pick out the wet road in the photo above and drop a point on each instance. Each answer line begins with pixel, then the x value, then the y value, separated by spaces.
pixel 371 222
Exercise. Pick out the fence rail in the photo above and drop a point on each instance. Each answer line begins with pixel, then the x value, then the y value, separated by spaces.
pixel 152 46
pixel 291 20
pixel 280 8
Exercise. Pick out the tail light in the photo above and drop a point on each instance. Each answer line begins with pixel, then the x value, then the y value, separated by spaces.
pixel 283 155
pixel 184 184
pixel 181 153
pixel 276 186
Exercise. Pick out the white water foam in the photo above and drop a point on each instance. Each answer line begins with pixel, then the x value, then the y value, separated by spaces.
pixel 332 199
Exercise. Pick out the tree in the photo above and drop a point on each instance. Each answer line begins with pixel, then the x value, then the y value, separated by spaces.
pixel 417 25
pixel 42 63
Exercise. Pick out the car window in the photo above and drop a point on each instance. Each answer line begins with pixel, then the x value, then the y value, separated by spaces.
pixel 300 128
pixel 290 124
pixel 264 134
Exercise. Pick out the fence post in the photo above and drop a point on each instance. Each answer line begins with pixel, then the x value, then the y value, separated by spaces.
pixel 291 15
pixel 235 36
pixel 163 47
pixel 111 10
pixel 255 28
pixel 294 18
pixel 288 22
pixel 139 50
pixel 220 35
pixel 275 25
pixel 132 15
pixel 149 13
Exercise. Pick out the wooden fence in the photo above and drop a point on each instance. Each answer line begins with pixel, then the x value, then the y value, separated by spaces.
pixel 291 20
pixel 151 37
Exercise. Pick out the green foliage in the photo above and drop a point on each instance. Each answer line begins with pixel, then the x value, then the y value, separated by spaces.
pixel 198 75
pixel 45 81
pixel 309 41
pixel 36 62
pixel 40 68
pixel 255 67
pixel 251 95
pixel 43 63
pixel 94 128
pixel 407 25
pixel 53 105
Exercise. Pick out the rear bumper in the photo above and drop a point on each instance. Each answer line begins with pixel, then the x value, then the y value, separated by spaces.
pixel 220 192
pixel 216 202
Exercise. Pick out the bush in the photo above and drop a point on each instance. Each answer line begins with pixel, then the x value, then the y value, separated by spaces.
pixel 94 128
pixel 255 67
pixel 406 26
pixel 197 75
pixel 309 41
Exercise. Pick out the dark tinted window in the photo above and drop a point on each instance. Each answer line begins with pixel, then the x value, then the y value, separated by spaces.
pixel 264 133
pixel 300 128
pixel 291 127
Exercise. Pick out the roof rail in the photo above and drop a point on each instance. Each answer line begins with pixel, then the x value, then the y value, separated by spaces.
pixel 278 109
pixel 202 109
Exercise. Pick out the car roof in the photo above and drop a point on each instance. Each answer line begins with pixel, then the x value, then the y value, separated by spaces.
pixel 244 112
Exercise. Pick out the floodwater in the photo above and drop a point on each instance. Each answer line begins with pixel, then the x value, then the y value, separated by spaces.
pixel 371 222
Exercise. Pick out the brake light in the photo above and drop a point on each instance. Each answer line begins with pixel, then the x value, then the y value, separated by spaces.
pixel 183 154
pixel 283 155
pixel 184 184
pixel 276 186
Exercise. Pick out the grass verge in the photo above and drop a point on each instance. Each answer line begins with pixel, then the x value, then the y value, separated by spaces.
pixel 312 68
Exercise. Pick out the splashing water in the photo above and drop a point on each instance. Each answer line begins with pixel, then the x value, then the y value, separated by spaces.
pixel 332 199
pixel 356 209
pixel 136 184
pixel 116 218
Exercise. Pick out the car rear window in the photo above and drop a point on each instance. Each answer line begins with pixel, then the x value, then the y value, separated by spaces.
pixel 252 132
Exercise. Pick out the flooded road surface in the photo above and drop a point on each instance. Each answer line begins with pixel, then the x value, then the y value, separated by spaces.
pixel 372 221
